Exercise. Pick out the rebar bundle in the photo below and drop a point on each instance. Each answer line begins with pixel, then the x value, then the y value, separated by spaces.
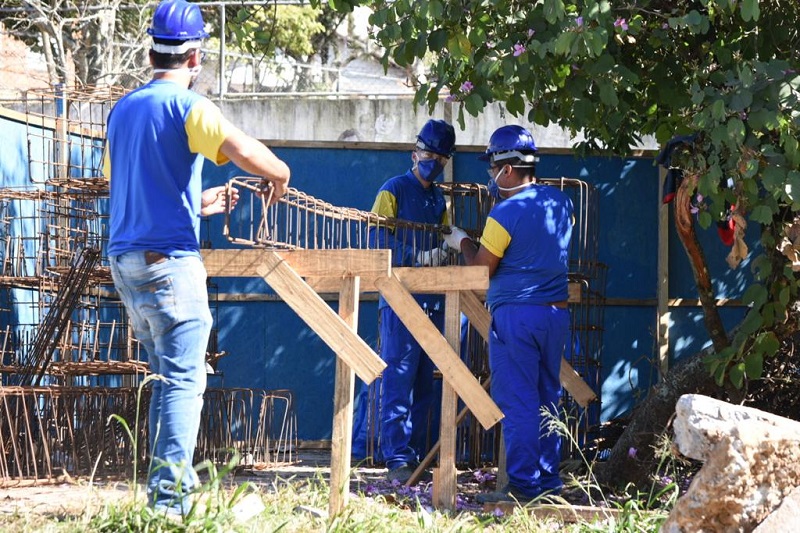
pixel 48 431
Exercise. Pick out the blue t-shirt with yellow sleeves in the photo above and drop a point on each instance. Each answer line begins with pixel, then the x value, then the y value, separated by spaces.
pixel 530 232
pixel 403 197
pixel 157 136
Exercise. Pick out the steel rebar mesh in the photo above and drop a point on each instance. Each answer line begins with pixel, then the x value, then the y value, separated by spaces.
pixel 66 127
pixel 301 221
pixel 260 426
pixel 47 431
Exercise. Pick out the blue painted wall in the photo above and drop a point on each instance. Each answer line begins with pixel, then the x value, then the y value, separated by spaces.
pixel 270 347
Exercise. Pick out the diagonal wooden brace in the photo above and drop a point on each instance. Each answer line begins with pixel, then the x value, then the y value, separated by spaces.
pixel 453 370
pixel 330 327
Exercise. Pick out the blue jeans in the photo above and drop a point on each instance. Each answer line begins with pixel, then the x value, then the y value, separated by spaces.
pixel 168 307
pixel 526 344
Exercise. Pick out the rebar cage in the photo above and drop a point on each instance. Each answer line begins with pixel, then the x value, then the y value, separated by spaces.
pixel 300 221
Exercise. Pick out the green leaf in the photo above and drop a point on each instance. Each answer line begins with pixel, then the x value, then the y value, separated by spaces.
pixel 515 105
pixel 736 375
pixel 705 220
pixel 751 323
pixel 474 104
pixel 773 177
pixel 755 295
pixel 435 9
pixel 564 42
pixel 750 10
pixel 437 39
pixel 608 95
pixel 761 214
pixel 718 110
pixel 770 343
pixel 753 365
pixel 553 10
pixel 736 130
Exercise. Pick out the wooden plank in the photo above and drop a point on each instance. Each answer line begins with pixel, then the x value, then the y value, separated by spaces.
pixel 563 513
pixel 334 331
pixel 478 315
pixel 663 316
pixel 448 475
pixel 344 384
pixel 574 384
pixel 326 263
pixel 449 363
pixel 480 319
pixel 424 280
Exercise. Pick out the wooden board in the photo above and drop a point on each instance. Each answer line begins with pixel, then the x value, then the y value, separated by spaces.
pixel 422 280
pixel 334 331
pixel 326 263
pixel 564 513
pixel 447 361
pixel 344 384
pixel 448 475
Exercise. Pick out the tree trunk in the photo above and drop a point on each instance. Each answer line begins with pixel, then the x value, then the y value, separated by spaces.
pixel 632 457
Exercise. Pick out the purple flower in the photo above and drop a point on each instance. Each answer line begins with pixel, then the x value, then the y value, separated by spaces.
pixel 665 26
pixel 632 452
pixel 699 198
pixel 620 23
pixel 531 33
pixel 450 98
pixel 467 87
pixel 518 50
pixel 579 21
pixel 498 512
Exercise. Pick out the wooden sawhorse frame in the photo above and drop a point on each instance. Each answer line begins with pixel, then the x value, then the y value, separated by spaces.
pixel 349 272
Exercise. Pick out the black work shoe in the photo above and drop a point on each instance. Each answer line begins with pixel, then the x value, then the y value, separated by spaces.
pixel 401 474
pixel 506 495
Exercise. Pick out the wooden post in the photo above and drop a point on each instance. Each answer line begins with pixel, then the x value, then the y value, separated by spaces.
pixel 342 435
pixel 445 493
pixel 662 272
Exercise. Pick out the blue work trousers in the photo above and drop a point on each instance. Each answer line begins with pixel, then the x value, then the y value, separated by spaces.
pixel 526 345
pixel 167 303
pixel 406 394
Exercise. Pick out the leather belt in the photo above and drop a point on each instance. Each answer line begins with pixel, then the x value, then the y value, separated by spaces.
pixel 152 258
pixel 560 305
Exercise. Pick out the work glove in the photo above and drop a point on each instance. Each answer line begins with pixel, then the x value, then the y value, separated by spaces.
pixel 454 238
pixel 434 257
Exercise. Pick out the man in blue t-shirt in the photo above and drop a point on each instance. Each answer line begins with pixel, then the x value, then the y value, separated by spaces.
pixel 525 244
pixel 158 136
pixel 407 382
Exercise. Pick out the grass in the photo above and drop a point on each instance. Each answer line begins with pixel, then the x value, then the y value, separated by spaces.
pixel 300 505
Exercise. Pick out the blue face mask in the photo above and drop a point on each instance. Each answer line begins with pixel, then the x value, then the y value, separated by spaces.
pixel 494 190
pixel 429 169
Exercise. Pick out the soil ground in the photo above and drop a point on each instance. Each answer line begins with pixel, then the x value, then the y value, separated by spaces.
pixel 72 496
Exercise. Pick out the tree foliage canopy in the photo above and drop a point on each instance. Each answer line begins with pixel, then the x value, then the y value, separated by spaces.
pixel 726 70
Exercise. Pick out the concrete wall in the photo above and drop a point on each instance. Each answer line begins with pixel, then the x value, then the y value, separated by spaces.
pixel 389 120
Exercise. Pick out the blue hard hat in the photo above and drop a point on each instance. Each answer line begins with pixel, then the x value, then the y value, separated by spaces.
pixel 437 136
pixel 178 20
pixel 510 142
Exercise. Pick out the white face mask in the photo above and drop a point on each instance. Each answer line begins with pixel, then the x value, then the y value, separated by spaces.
pixel 510 189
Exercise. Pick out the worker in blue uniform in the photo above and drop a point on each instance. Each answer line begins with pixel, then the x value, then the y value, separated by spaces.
pixel 525 245
pixel 406 386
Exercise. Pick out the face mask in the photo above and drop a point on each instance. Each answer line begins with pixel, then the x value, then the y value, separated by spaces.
pixel 495 189
pixel 429 169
